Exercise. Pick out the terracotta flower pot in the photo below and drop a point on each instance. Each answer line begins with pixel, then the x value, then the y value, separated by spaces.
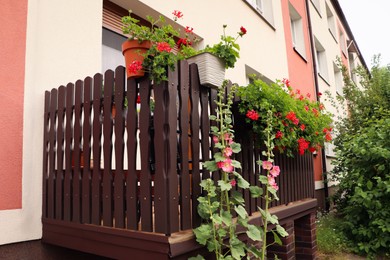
pixel 132 50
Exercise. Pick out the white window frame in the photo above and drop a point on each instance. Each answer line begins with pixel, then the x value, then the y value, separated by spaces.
pixel 338 79
pixel 317 5
pixel 322 66
pixel 297 35
pixel 331 22
pixel 264 9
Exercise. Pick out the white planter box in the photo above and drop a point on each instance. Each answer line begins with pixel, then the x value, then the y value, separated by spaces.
pixel 211 69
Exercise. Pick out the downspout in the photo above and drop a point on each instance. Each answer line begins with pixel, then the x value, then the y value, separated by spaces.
pixel 315 72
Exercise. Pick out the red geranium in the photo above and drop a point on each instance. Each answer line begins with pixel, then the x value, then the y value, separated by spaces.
pixel 252 114
pixel 163 46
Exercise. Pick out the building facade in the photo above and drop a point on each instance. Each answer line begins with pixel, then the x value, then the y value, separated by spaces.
pixel 50 43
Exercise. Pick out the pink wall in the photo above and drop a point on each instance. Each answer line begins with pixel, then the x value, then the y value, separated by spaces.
pixel 301 73
pixel 13 24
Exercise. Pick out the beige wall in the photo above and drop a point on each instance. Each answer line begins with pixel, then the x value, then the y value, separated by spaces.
pixel 262 48
pixel 63 45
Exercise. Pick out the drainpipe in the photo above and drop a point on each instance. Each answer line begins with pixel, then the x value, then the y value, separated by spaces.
pixel 315 72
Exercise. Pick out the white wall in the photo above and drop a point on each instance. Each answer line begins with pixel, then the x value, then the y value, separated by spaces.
pixel 63 45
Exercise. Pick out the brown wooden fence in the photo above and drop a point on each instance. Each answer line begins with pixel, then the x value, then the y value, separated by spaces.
pixel 111 161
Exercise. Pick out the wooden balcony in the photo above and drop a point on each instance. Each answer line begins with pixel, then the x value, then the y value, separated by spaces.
pixel 122 178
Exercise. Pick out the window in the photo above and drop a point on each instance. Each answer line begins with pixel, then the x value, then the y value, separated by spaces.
pixel 316 4
pixel 321 59
pixel 331 22
pixel 264 8
pixel 297 31
pixel 112 50
pixel 352 66
pixel 338 79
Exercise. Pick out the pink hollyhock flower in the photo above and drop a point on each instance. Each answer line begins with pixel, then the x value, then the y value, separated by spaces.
pixel 227 152
pixel 163 46
pixel 267 165
pixel 275 171
pixel 272 182
pixel 226 165
pixel 135 66
pixel 233 182
pixel 215 139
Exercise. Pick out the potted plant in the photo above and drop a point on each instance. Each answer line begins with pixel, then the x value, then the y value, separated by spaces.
pixel 149 48
pixel 213 60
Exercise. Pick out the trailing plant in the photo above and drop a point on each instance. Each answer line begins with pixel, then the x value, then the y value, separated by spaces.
pixel 299 123
pixel 218 232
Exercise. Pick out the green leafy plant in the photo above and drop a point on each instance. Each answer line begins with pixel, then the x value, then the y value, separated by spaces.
pixel 362 166
pixel 299 124
pixel 219 230
pixel 227 49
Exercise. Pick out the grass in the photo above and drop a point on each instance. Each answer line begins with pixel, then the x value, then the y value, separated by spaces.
pixel 331 242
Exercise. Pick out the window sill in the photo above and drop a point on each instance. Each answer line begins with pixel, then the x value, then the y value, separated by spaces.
pixel 300 54
pixel 324 79
pixel 317 9
pixel 270 24
pixel 333 36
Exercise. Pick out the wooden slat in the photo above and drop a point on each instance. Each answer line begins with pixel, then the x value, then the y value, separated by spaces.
pixel 131 178
pixel 119 211
pixel 86 177
pixel 76 185
pixel 194 126
pixel 68 151
pixel 46 120
pixel 145 143
pixel 96 151
pixel 97 133
pixel 107 148
pixel 185 185
pixel 60 152
pixel 205 128
pixel 171 147
pixel 52 153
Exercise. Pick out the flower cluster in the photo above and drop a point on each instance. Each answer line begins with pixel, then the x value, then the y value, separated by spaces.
pixel 273 171
pixel 299 124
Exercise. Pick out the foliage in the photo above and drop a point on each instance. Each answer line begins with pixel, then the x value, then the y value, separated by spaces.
pixel 363 163
pixel 163 39
pixel 227 49
pixel 299 124
pixel 219 231
pixel 330 239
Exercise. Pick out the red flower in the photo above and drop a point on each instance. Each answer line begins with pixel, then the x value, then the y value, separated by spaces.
pixel 183 41
pixel 189 29
pixel 303 127
pixel 252 114
pixel 315 111
pixel 138 99
pixel 306 108
pixel 328 137
pixel 279 135
pixel 298 91
pixel 312 149
pixel 322 107
pixel 242 31
pixel 301 97
pixel 292 117
pixel 286 82
pixel 135 66
pixel 302 145
pixel 163 46
pixel 233 182
pixel 319 94
pixel 308 95
pixel 177 14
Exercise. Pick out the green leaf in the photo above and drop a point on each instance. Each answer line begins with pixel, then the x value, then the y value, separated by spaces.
pixel 214 129
pixel 237 248
pixel 254 233
pixel 219 157
pixel 236 164
pixel 263 179
pixel 210 165
pixel 224 185
pixel 369 185
pixel 236 147
pixel 203 233
pixel 237 198
pixel 255 191
pixel 281 231
pixel 240 210
pixel 276 238
pixel 213 117
pixel 226 217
